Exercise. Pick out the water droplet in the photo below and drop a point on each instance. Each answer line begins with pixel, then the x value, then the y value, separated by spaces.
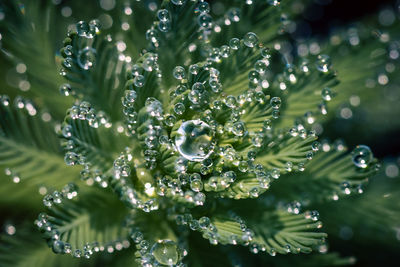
pixel 179 108
pixel 63 72
pixel 77 253
pixel 87 58
pixel 71 158
pixel 294 207
pixel 67 63
pixel 326 94
pixel 165 252
pixel 275 173
pixel 58 247
pixel 178 2
pixel 205 21
pixel 323 108
pixel 266 53
pixel 260 66
pixel 345 187
pixel 323 63
pixel 267 124
pixel 199 199
pixel 238 128
pixel 150 62
pixel 274 2
pixel 234 43
pixel 164 26
pixel 136 236
pixel 204 222
pixel 139 80
pixel 250 39
pixel 243 166
pixel 196 185
pixel 194 97
pixel 65 89
pixel 309 117
pixel 152 35
pixel 194 140
pixel 272 252
pixel 48 200
pixel 230 101
pixel 362 156
pixel 194 69
pixel 94 26
pixel 68 50
pixel 130 97
pixel 225 51
pixel 163 15
pixel 315 146
pixel 202 7
pixel 234 14
pixel 254 77
pixel 215 85
pixel 169 120
pixel 179 73
pixel 82 28
pixel 313 215
pixel 275 102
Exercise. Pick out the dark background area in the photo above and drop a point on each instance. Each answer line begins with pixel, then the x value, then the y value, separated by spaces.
pixel 321 17
pixel 324 14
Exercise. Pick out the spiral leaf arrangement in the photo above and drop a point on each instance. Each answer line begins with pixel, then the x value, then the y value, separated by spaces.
pixel 203 130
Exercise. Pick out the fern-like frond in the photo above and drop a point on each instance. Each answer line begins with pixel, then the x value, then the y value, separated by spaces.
pixel 29 32
pixel 26 249
pixel 29 152
pixel 91 135
pixel 94 68
pixel 329 176
pixel 286 232
pixel 83 226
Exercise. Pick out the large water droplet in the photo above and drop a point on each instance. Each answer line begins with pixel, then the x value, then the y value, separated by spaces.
pixel 165 252
pixel 362 156
pixel 194 140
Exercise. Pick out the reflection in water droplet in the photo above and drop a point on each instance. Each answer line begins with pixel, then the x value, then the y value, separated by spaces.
pixel 193 140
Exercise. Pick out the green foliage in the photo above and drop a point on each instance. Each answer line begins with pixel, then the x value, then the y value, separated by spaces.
pixel 30 153
pixel 28 33
pixel 190 123
pixel 83 226
pixel 329 176
pixel 28 249
pixel 102 85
